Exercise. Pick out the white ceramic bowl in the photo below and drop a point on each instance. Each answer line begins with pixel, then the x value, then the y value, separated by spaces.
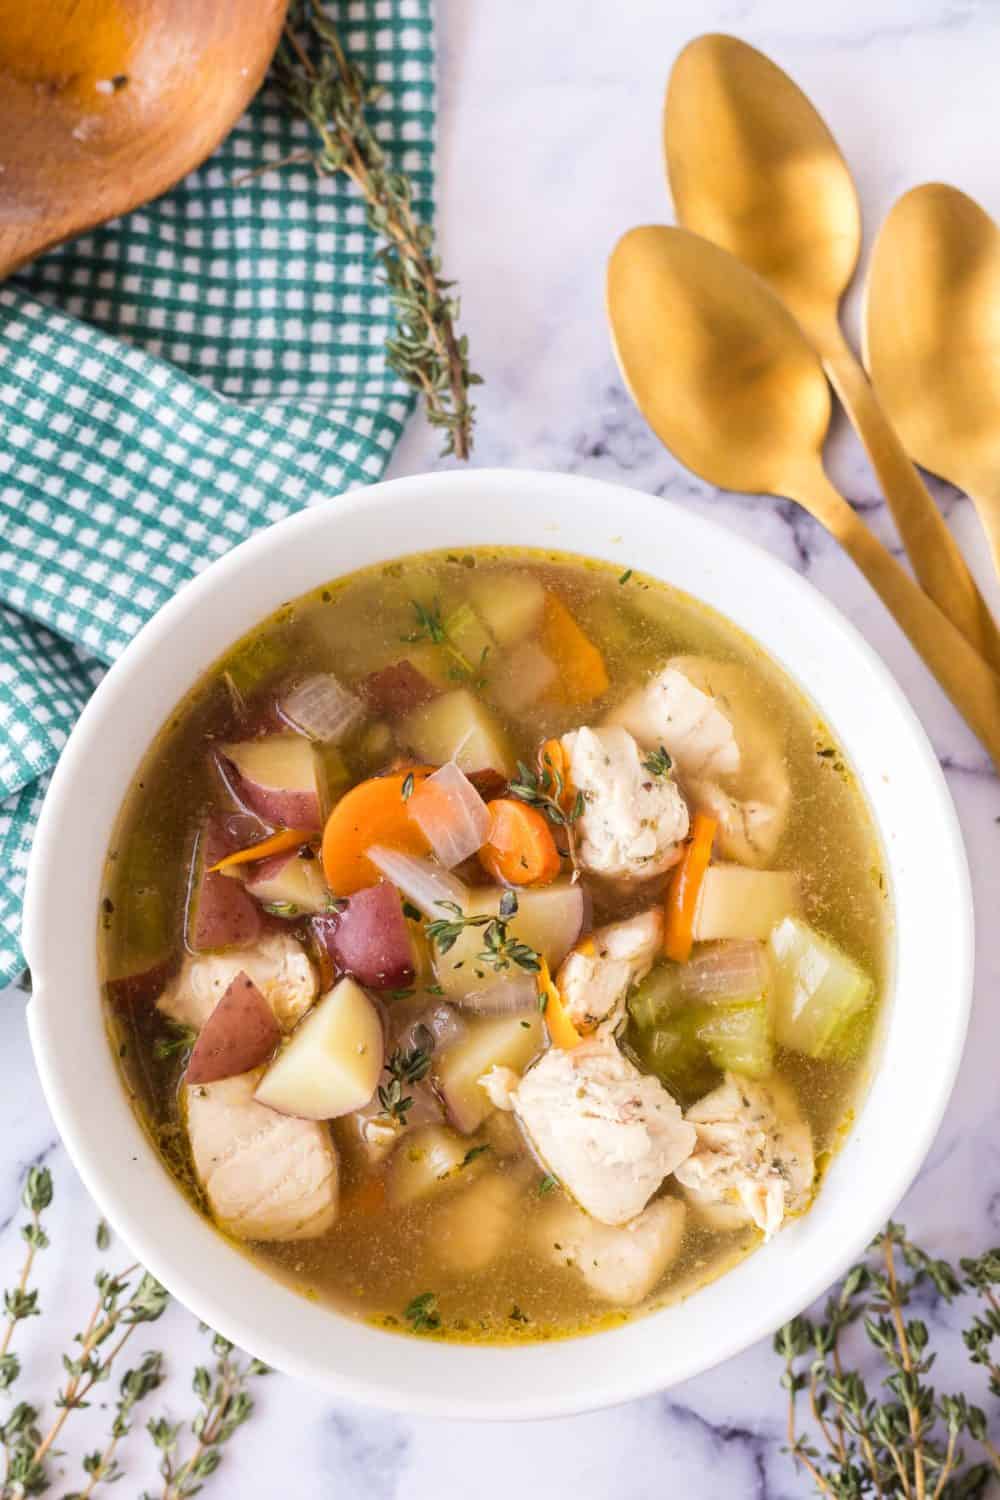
pixel 821 652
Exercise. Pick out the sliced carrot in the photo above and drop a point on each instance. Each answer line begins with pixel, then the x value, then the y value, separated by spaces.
pixel 275 843
pixel 552 758
pixel 582 673
pixel 685 888
pixel 520 848
pixel 562 1032
pixel 373 812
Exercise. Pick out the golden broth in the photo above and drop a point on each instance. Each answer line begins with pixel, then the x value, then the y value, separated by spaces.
pixel 376 1259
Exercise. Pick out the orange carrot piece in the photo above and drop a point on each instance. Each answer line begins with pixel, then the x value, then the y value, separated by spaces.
pixel 562 1032
pixel 582 673
pixel 520 848
pixel 275 843
pixel 685 888
pixel 373 812
pixel 553 759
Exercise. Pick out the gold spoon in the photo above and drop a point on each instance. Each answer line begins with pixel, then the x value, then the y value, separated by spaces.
pixel 932 339
pixel 753 167
pixel 727 380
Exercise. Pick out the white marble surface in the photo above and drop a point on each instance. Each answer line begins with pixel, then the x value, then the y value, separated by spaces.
pixel 549 149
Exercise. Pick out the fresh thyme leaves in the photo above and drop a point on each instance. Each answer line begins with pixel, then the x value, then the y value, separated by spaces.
pixel 405 1066
pixel 406 791
pixel 21 1301
pixel 474 1152
pixel 422 1313
pixel 658 762
pixel 547 1184
pixel 625 576
pixel 327 91
pixel 903 1444
pixel 500 951
pixel 281 908
pixel 180 1039
pixel 101 1466
pixel 547 790
pixel 429 626
pixel 225 1400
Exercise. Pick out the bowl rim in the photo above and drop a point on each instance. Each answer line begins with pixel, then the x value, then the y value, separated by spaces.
pixel 65 1091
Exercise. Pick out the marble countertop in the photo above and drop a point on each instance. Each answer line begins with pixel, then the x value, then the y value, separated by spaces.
pixel 549 148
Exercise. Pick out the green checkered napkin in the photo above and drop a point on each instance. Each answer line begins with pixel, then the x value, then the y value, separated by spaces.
pixel 176 380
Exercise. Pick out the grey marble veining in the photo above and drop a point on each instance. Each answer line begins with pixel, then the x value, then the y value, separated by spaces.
pixel 550 149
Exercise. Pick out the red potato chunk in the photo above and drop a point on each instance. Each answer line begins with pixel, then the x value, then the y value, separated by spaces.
pixel 370 939
pixel 291 881
pixel 220 913
pixel 141 989
pixel 396 690
pixel 275 777
pixel 240 1034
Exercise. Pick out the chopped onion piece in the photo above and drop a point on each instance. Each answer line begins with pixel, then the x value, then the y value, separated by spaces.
pixel 322 708
pixel 514 996
pixel 451 815
pixel 726 971
pixel 423 883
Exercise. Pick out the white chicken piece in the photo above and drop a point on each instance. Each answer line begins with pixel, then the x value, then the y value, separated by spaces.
pixel 600 970
pixel 609 1133
pixel 749 830
pixel 622 1264
pixel 754 1159
pixel 277 965
pixel 669 710
pixel 632 823
pixel 266 1176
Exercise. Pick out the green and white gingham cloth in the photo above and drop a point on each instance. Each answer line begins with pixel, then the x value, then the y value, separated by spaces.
pixel 176 380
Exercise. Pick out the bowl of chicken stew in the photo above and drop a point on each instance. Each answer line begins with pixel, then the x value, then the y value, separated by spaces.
pixel 496 941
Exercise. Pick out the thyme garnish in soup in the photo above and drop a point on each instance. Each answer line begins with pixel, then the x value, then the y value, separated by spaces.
pixel 494 944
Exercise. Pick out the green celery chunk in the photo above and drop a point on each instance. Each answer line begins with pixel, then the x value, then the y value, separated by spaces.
pixel 818 990
pixel 738 1037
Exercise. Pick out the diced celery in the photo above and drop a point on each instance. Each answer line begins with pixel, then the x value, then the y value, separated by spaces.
pixel 468 634
pixel 254 660
pixel 333 775
pixel 738 1037
pixel 818 989
pixel 675 1053
pixel 651 1002
pixel 849 1040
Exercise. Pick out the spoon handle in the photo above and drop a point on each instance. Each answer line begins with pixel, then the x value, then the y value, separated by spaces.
pixel 970 683
pixel 933 551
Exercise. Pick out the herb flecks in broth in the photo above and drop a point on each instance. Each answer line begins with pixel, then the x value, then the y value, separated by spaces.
pixel 457 1010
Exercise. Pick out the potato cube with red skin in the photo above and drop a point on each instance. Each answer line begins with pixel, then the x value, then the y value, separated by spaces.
pixel 240 1034
pixel 220 913
pixel 396 690
pixel 276 777
pixel 370 939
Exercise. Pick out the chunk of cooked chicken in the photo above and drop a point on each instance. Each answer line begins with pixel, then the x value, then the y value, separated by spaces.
pixel 632 822
pixel 599 971
pixel 754 1159
pixel 277 965
pixel 669 710
pixel 749 830
pixel 266 1176
pixel 620 1264
pixel 609 1133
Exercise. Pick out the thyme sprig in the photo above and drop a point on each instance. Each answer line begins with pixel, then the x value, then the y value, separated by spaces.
pixel 658 762
pixel 430 627
pixel 405 1067
pixel 124 1301
pixel 901 1441
pixel 179 1038
pixel 500 950
pixel 225 1404
pixel 101 1466
pixel 331 95
pixel 546 789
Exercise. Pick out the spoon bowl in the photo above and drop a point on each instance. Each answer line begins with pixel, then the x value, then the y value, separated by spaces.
pixel 104 104
pixel 753 167
pixel 729 383
pixel 932 339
